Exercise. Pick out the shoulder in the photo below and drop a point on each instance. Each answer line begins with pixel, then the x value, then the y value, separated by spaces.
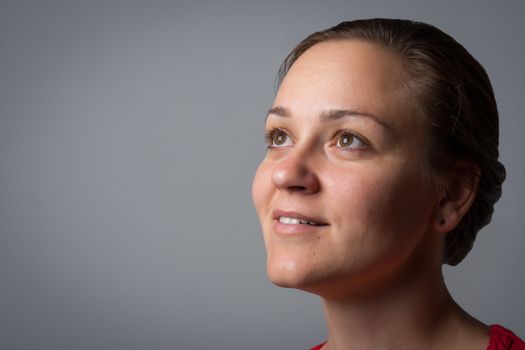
pixel 318 347
pixel 503 339
pixel 500 339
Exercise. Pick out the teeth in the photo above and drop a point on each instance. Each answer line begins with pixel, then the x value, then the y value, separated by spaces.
pixel 288 220
pixel 295 221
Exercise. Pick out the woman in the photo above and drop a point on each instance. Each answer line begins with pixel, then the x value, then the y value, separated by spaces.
pixel 382 165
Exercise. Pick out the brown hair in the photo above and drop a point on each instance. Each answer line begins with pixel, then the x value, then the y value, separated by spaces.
pixel 453 92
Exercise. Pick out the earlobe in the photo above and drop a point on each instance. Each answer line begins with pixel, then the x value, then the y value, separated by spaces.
pixel 457 197
pixel 447 218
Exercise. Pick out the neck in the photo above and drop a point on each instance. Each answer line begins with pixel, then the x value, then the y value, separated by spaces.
pixel 419 314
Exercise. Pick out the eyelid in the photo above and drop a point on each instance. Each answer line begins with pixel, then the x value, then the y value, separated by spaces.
pixel 363 140
pixel 270 133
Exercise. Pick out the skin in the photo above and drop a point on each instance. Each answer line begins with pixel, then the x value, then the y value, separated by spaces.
pixel 376 259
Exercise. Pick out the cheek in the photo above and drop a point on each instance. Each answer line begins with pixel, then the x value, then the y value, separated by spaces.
pixel 261 187
pixel 353 194
pixel 378 218
pixel 378 200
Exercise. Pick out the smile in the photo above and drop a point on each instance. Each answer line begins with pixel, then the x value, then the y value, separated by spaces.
pixel 292 223
pixel 296 218
pixel 295 221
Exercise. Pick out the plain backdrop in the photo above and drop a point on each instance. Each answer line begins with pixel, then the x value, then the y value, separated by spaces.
pixel 129 135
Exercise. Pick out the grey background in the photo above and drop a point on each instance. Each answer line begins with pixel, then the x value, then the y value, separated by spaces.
pixel 129 134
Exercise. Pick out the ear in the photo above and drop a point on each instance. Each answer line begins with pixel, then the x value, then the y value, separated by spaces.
pixel 457 197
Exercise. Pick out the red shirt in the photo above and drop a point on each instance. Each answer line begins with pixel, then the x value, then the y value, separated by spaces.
pixel 500 339
pixel 503 339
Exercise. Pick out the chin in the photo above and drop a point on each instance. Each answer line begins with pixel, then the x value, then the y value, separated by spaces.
pixel 290 274
pixel 314 277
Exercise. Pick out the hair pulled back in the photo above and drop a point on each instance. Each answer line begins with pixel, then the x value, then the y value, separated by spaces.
pixel 452 91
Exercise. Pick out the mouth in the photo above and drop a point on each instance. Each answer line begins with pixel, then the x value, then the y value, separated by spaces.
pixel 293 218
pixel 295 221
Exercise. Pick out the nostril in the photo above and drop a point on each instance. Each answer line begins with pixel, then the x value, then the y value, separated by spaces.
pixel 293 174
pixel 296 188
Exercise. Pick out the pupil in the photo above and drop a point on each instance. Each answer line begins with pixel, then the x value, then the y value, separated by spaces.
pixel 279 139
pixel 345 140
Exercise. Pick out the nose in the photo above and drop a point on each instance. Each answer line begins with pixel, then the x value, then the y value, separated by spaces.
pixel 293 174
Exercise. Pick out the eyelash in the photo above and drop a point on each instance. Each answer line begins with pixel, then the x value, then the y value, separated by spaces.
pixel 345 132
pixel 269 138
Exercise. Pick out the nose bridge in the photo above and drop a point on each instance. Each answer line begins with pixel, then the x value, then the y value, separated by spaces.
pixel 297 171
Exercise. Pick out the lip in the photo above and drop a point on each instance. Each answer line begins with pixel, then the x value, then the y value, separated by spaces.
pixel 288 229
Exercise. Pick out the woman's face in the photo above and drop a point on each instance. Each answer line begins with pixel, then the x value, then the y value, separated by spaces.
pixel 341 195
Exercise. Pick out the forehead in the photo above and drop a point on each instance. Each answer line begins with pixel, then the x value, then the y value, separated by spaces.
pixel 346 74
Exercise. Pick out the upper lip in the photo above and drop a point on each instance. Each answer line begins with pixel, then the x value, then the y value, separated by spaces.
pixel 293 214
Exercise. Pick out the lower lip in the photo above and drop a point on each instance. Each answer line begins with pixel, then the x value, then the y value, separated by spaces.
pixel 294 229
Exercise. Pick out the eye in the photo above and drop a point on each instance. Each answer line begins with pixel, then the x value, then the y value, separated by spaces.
pixel 276 138
pixel 350 141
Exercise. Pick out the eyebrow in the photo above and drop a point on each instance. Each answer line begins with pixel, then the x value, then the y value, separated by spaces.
pixel 330 115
